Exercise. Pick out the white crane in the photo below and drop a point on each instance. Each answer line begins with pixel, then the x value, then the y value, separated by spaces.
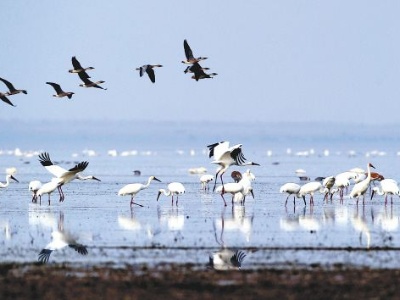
pixel 291 188
pixel 361 187
pixel 226 156
pixel 34 186
pixel 47 188
pixel 64 176
pixel 8 177
pixel 388 187
pixel 204 180
pixel 234 188
pixel 310 188
pixel 134 188
pixel 174 188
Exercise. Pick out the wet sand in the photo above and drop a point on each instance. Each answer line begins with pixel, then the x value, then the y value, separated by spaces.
pixel 22 281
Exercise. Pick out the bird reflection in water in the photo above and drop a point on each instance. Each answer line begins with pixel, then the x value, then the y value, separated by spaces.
pixel 359 223
pixel 60 239
pixel 225 258
pixel 132 223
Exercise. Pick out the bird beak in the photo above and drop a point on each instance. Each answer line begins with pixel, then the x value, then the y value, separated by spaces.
pixel 255 164
pixel 158 196
pixel 156 179
pixel 13 178
pixel 371 166
pixel 94 178
pixel 252 193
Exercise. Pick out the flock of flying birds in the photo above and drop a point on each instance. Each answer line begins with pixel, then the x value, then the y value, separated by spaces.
pixel 194 68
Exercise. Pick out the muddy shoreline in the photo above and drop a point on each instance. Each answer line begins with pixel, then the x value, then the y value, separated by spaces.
pixel 58 281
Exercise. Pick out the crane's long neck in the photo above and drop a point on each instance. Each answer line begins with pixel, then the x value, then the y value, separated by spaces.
pixel 148 182
pixel 166 193
pixel 369 173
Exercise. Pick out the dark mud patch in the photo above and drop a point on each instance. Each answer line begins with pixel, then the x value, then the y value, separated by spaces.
pixel 21 281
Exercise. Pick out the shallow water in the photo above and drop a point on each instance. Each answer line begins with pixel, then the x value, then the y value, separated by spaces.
pixel 327 234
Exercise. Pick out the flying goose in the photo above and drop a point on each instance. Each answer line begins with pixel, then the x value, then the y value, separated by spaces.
pixel 88 83
pixel 199 72
pixel 59 91
pixel 149 70
pixel 190 59
pixel 11 88
pixel 78 68
pixel 5 99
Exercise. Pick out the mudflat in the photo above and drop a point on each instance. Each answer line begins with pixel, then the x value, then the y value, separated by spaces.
pixel 34 281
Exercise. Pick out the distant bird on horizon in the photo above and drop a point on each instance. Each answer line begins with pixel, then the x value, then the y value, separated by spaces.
pixel 88 83
pixel 11 89
pixel 190 59
pixel 5 99
pixel 59 91
pixel 78 68
pixel 149 70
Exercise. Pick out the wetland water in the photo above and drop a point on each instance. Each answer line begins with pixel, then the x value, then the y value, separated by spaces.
pixel 270 234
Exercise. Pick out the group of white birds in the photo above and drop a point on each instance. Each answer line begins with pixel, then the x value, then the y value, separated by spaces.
pixel 328 186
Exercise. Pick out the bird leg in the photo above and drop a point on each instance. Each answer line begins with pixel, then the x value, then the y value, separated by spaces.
pixel 304 199
pixel 176 202
pixel 287 199
pixel 49 198
pixel 60 191
pixel 172 200
pixel 222 195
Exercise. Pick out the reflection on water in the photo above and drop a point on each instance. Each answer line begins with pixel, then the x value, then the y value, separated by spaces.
pixel 173 218
pixel 5 228
pixel 60 239
pixel 225 258
pixel 237 221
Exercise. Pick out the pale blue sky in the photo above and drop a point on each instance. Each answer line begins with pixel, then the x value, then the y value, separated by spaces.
pixel 276 60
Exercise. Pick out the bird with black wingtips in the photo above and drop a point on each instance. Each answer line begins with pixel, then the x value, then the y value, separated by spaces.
pixel 59 91
pixel 226 156
pixel 64 176
pixel 60 239
pixel 77 67
pixel 5 99
pixel 88 83
pixel 11 89
pixel 190 59
pixel 149 70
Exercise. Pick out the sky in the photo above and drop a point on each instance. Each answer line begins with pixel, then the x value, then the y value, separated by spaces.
pixel 277 61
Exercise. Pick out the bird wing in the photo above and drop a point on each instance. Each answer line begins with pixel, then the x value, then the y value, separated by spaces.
pixel 75 63
pixel 84 77
pixel 188 51
pixel 238 258
pixel 44 255
pixel 56 87
pixel 238 156
pixel 151 74
pixel 8 84
pixel 5 99
pixel 217 149
pixel 142 69
pixel 44 159
pixel 81 249
pixel 198 71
